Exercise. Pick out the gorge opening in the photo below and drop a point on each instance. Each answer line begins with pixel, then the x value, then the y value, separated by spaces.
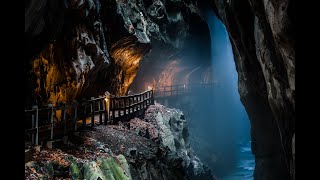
pixel 218 123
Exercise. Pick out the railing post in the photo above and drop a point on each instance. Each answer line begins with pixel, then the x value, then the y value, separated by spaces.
pixel 134 107
pixel 130 105
pixel 107 110
pixel 124 106
pixel 35 107
pixel 32 126
pixel 51 121
pixel 152 97
pixel 124 109
pixel 99 110
pixel 92 105
pixel 124 100
pixel 145 100
pixel 113 110
pixel 141 101
pixel 112 106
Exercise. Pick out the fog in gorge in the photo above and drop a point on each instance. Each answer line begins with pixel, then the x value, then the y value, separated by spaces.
pixel 218 124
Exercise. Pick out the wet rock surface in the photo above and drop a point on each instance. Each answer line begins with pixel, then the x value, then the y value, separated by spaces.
pixel 262 34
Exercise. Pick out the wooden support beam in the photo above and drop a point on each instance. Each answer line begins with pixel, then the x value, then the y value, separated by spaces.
pixel 32 126
pixel 107 110
pixel 35 107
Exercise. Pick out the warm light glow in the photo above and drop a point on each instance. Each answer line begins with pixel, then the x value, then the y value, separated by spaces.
pixel 150 88
pixel 106 99
pixel 168 75
pixel 127 54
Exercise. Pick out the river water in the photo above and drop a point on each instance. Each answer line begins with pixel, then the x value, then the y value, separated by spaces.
pixel 245 165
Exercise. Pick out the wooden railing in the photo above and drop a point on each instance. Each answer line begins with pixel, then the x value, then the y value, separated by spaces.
pixel 44 122
pixel 181 89
pixel 127 107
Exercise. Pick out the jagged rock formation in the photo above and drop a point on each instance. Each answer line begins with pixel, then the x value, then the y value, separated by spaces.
pixel 163 20
pixel 173 133
pixel 262 36
pixel 68 47
pixel 69 64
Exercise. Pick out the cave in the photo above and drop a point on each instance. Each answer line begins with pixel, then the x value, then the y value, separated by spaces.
pixel 141 89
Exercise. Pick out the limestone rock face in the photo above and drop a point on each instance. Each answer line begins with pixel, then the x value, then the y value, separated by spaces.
pixel 262 36
pixel 173 134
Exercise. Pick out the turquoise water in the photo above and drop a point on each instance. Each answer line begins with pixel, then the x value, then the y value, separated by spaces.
pixel 245 165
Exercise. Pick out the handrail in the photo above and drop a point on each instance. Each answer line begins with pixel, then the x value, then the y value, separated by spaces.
pixel 180 89
pixel 192 84
pixel 125 107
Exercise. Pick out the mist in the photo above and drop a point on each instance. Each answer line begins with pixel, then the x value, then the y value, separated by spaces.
pixel 227 126
pixel 219 129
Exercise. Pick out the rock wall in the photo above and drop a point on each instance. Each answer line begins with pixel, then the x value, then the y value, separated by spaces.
pixel 262 35
pixel 173 133
pixel 70 54
pixel 67 44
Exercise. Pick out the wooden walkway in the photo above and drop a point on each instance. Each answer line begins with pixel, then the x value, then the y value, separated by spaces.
pixel 182 89
pixel 51 122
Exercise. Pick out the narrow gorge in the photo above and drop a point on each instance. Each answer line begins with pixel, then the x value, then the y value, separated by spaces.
pixel 160 89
